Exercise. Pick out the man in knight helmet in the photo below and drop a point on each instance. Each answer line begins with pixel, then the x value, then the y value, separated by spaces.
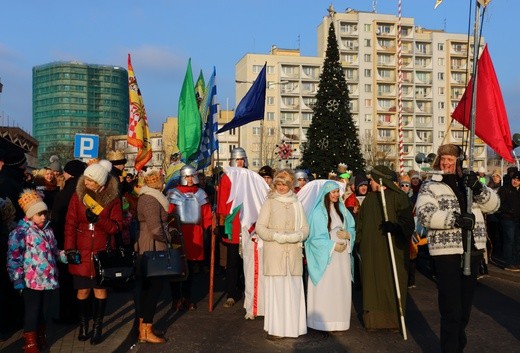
pixel 190 203
pixel 301 179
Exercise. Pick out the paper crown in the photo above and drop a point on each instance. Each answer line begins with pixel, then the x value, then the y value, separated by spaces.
pixel 342 168
pixel 153 178
pixel 116 157
pixel 31 202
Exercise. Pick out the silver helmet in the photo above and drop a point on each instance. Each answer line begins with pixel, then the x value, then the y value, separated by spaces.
pixel 236 153
pixel 300 174
pixel 188 170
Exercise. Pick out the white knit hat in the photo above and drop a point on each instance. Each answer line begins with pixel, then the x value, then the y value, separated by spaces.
pixel 97 172
pixel 106 163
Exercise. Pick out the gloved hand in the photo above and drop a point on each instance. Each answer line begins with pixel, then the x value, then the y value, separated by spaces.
pixel 390 227
pixel 343 234
pixel 280 238
pixel 73 257
pixel 472 182
pixel 295 237
pixel 465 220
pixel 91 216
pixel 340 247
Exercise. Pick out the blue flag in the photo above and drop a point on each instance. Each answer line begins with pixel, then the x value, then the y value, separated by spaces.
pixel 252 106
pixel 209 141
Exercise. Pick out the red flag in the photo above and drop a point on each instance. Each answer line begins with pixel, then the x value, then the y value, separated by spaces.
pixel 491 124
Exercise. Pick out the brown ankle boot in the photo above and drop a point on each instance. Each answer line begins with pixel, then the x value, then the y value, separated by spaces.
pixel 146 334
pixel 31 342
pixel 42 338
pixel 154 330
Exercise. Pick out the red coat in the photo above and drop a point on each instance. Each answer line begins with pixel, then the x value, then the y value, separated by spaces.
pixel 194 233
pixel 77 233
pixel 224 208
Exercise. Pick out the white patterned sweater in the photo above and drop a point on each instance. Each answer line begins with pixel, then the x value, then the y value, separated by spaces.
pixel 435 208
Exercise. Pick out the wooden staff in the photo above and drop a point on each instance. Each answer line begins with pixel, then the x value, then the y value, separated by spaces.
pixel 392 257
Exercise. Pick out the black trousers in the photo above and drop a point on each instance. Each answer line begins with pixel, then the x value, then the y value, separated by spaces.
pixel 151 288
pixel 37 303
pixel 234 273
pixel 455 295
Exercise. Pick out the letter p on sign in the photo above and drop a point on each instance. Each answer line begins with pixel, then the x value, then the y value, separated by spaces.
pixel 86 146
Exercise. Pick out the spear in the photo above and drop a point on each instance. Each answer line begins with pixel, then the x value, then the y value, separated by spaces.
pixel 392 257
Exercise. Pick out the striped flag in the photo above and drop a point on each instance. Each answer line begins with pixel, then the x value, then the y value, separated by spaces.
pixel 138 132
pixel 209 141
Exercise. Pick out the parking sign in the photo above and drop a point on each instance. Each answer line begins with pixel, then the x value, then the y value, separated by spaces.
pixel 86 146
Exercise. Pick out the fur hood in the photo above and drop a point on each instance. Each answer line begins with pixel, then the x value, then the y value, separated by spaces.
pixel 108 193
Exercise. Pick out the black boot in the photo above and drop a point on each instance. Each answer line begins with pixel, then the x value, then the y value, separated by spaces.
pixel 83 319
pixel 99 313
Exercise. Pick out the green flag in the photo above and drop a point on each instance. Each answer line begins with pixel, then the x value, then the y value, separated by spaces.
pixel 189 119
pixel 200 88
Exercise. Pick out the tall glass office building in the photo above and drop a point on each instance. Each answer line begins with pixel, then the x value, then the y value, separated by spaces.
pixel 71 98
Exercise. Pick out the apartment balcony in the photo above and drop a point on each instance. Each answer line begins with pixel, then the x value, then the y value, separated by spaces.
pixel 424 136
pixel 290 91
pixel 349 47
pixel 294 106
pixel 290 122
pixel 290 74
pixel 458 49
pixel 424 122
pixel 459 67
pixel 314 76
pixel 354 78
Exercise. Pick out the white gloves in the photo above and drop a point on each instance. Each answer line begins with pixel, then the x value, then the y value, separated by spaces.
pixel 343 234
pixel 280 238
pixel 295 237
pixel 339 247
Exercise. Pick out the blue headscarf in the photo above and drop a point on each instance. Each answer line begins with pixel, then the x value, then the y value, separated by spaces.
pixel 319 246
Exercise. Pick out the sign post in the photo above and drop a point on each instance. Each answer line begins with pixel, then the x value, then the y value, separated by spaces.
pixel 86 146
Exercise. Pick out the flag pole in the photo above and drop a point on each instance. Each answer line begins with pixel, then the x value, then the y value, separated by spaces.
pixel 469 192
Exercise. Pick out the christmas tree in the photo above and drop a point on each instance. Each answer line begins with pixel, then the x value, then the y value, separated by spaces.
pixel 332 137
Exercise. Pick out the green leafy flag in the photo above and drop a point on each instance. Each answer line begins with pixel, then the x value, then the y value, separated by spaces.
pixel 189 123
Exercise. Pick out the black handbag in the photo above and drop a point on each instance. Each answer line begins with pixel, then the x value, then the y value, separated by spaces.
pixel 114 267
pixel 170 263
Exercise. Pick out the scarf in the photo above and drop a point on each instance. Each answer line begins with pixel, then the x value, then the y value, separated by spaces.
pixel 290 197
pixel 146 190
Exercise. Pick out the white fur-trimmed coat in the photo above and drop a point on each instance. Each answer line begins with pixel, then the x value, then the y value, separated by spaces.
pixel 435 208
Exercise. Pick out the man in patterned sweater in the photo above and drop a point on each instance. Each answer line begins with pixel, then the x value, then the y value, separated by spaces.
pixel 442 209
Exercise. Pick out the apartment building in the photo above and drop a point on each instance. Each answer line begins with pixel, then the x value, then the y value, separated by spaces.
pixel 435 71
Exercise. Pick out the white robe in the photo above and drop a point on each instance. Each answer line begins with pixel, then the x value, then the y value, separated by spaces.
pixel 284 302
pixel 329 302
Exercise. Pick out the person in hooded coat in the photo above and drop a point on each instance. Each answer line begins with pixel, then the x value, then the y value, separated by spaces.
pixel 380 306
pixel 328 250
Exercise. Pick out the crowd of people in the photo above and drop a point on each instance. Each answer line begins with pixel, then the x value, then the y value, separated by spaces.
pixel 291 245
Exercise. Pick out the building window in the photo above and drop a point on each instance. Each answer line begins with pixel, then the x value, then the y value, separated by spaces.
pixel 270 100
pixel 233 132
pixel 270 116
pixel 441 134
pixel 368 73
pixel 441 91
pixel 368 103
pixel 256 131
pixel 440 46
pixel 441 105
pixel 441 61
pixel 306 116
pixel 368 43
pixel 270 69
pixel 440 76
pixel 441 120
pixel 368 88
pixel 368 118
pixel 257 68
pixel 270 131
pixel 368 58
pixel 367 27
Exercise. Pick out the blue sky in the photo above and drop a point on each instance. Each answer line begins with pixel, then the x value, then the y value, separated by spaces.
pixel 161 36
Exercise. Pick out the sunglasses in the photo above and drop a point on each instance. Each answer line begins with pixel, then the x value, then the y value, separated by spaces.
pixel 404 185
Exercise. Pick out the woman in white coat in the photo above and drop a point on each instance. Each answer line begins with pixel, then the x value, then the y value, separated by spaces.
pixel 283 227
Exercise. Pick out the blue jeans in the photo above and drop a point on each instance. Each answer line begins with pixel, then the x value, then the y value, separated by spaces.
pixel 511 241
